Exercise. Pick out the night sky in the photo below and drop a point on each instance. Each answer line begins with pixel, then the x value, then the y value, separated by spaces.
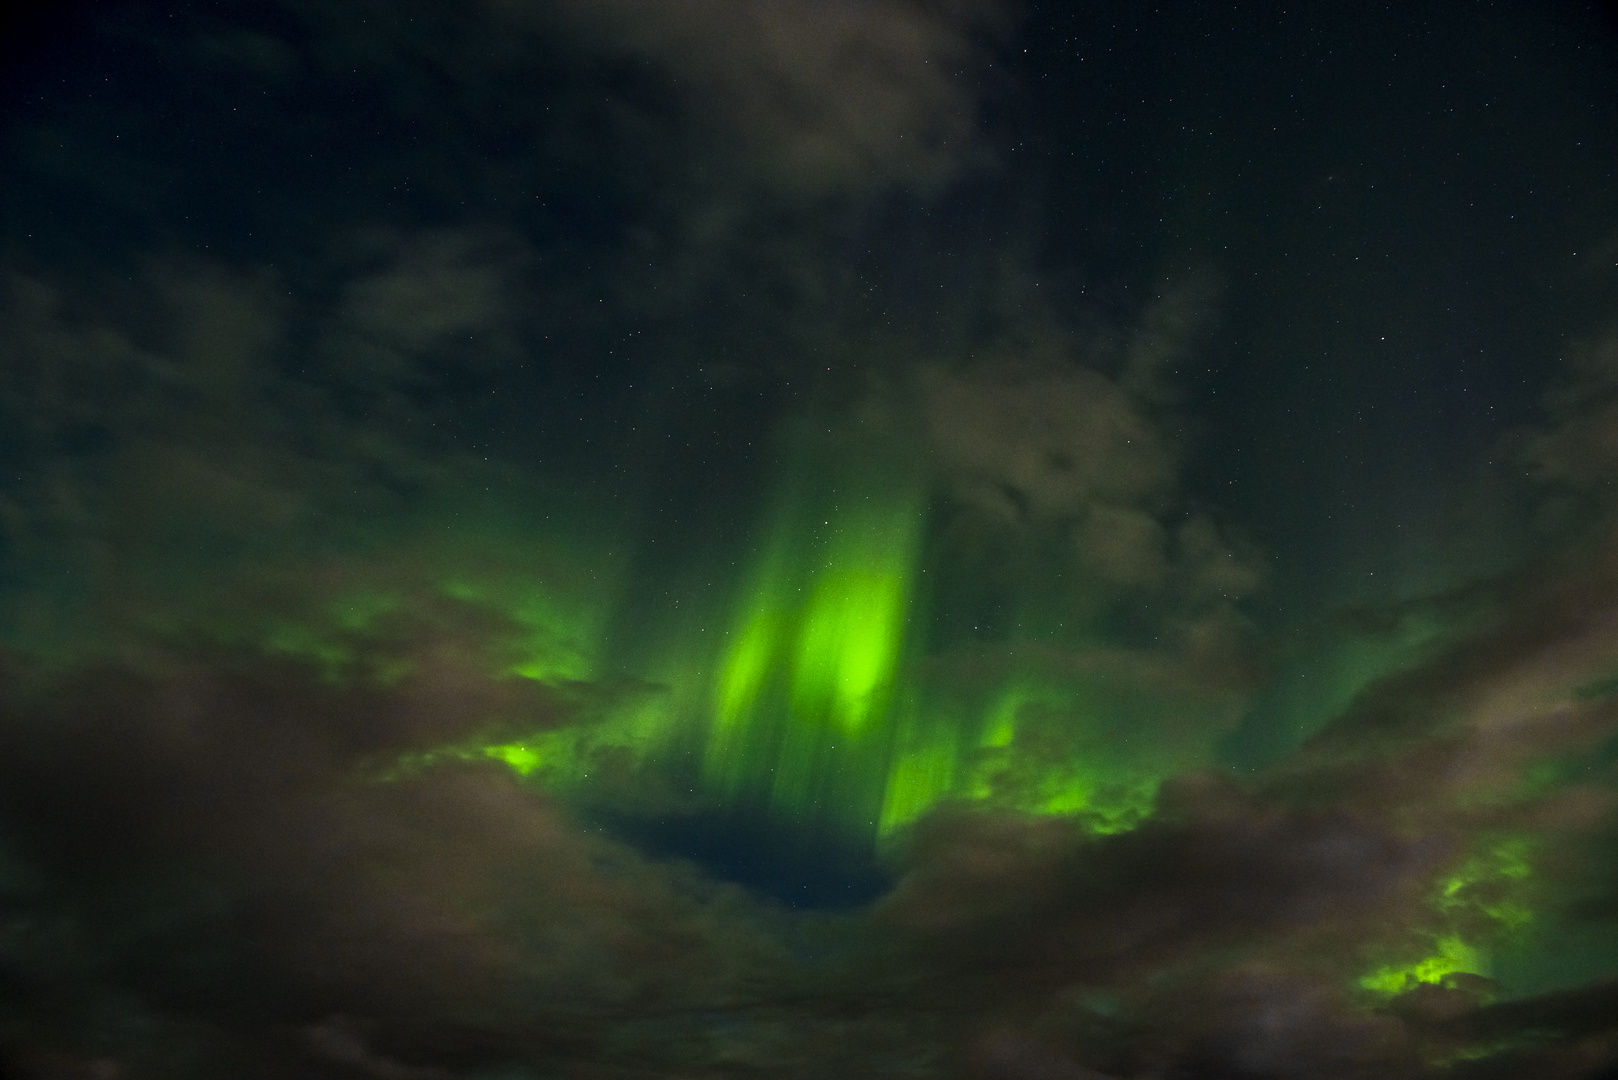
pixel 627 539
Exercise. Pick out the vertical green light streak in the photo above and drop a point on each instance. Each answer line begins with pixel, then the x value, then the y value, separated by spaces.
pixel 926 766
pixel 802 705
pixel 852 628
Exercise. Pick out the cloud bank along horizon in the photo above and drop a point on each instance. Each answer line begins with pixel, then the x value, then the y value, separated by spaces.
pixel 607 538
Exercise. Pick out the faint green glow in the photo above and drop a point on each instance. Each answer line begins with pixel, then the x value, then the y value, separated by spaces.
pixel 554 640
pixel 1029 745
pixel 517 593
pixel 1121 806
pixel 917 780
pixel 1002 725
pixel 1595 691
pixel 531 756
pixel 331 640
pixel 543 638
pixel 1493 882
pixel 925 768
pixel 1324 677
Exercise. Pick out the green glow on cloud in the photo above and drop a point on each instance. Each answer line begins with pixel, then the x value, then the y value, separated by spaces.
pixel 1322 679
pixel 556 642
pixel 1484 901
pixel 995 750
pixel 1451 956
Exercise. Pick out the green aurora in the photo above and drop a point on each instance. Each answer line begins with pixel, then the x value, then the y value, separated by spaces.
pixel 811 707
pixel 810 704
pixel 954 541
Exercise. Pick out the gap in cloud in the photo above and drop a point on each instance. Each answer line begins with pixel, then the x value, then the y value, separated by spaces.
pixel 802 868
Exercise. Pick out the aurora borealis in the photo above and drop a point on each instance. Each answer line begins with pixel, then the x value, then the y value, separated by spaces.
pixel 628 539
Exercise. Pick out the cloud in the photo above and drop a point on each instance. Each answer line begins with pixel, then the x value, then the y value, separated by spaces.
pixel 1045 444
pixel 212 834
pixel 411 298
pixel 1034 905
pixel 212 858
pixel 1069 555
pixel 1229 933
pixel 825 96
pixel 197 415
pixel 1574 455
pixel 1035 434
pixel 801 98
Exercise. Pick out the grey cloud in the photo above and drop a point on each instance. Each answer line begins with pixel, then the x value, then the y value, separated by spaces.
pixel 1060 500
pixel 828 96
pixel 1224 934
pixel 197 407
pixel 214 831
pixel 1035 436
pixel 1046 444
pixel 1579 448
pixel 424 292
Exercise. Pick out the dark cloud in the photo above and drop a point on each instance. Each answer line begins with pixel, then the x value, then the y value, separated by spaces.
pixel 1216 936
pixel 1572 456
pixel 1062 511
pixel 196 418
pixel 826 97
pixel 212 837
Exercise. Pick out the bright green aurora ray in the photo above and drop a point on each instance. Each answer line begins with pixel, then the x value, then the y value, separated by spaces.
pixel 801 714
